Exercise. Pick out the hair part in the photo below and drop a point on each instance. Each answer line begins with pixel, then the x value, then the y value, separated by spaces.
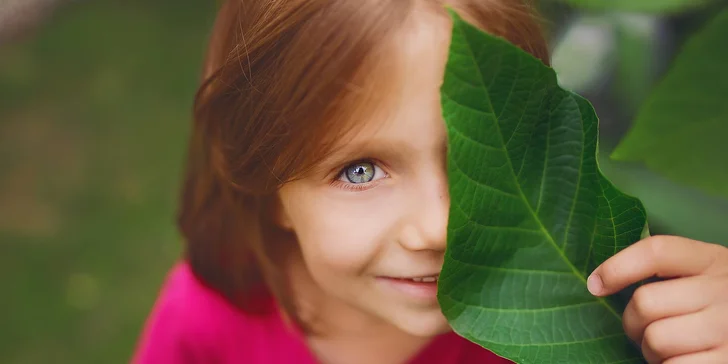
pixel 281 81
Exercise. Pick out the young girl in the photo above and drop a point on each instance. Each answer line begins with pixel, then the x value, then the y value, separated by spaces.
pixel 316 201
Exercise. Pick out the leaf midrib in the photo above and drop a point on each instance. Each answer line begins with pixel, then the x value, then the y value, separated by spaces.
pixel 518 186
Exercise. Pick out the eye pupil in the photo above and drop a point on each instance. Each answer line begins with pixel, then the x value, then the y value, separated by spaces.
pixel 360 172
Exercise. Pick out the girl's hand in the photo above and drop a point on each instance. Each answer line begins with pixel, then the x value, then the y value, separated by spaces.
pixel 677 321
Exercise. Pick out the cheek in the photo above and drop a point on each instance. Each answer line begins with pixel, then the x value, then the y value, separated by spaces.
pixel 345 235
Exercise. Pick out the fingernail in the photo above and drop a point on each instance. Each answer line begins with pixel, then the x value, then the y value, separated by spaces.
pixel 594 284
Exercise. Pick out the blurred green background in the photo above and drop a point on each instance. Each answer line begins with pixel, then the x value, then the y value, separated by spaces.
pixel 95 104
pixel 94 115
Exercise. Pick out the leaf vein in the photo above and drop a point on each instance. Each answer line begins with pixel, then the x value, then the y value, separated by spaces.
pixel 522 195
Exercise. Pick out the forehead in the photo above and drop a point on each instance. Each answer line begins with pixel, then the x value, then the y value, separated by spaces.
pixel 399 99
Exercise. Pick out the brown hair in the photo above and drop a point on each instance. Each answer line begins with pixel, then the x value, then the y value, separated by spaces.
pixel 278 74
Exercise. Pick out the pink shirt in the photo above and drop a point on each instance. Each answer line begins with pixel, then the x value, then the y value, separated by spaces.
pixel 191 323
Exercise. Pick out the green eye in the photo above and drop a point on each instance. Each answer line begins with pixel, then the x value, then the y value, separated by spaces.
pixel 361 172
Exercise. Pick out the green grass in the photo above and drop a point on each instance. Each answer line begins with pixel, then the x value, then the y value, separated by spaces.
pixel 94 118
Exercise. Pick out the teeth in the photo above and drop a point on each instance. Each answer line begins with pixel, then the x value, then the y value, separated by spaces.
pixel 424 279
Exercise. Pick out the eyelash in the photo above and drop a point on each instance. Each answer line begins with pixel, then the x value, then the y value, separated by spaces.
pixel 357 187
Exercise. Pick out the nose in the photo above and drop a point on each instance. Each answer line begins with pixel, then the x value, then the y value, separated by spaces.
pixel 430 208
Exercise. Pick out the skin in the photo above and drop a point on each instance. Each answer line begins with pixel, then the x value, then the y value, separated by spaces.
pixel 682 320
pixel 349 235
pixel 394 226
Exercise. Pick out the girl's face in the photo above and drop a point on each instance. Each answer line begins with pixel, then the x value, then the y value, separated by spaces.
pixel 372 226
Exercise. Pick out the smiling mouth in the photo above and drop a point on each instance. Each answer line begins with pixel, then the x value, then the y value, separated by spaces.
pixel 421 289
pixel 424 279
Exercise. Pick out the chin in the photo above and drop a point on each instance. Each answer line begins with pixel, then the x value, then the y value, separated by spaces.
pixel 425 324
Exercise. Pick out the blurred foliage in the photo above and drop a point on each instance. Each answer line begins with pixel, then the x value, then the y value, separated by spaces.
pixel 95 109
pixel 681 129
pixel 681 123
pixel 660 6
pixel 657 79
pixel 636 38
pixel 94 112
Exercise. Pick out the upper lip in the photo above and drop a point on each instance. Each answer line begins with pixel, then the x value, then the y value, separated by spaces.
pixel 414 276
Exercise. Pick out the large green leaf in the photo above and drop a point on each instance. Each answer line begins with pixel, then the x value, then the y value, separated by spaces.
pixel 681 130
pixel 531 215
pixel 651 6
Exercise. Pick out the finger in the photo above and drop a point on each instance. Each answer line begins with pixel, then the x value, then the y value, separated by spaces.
pixel 659 300
pixel 703 357
pixel 662 256
pixel 681 335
